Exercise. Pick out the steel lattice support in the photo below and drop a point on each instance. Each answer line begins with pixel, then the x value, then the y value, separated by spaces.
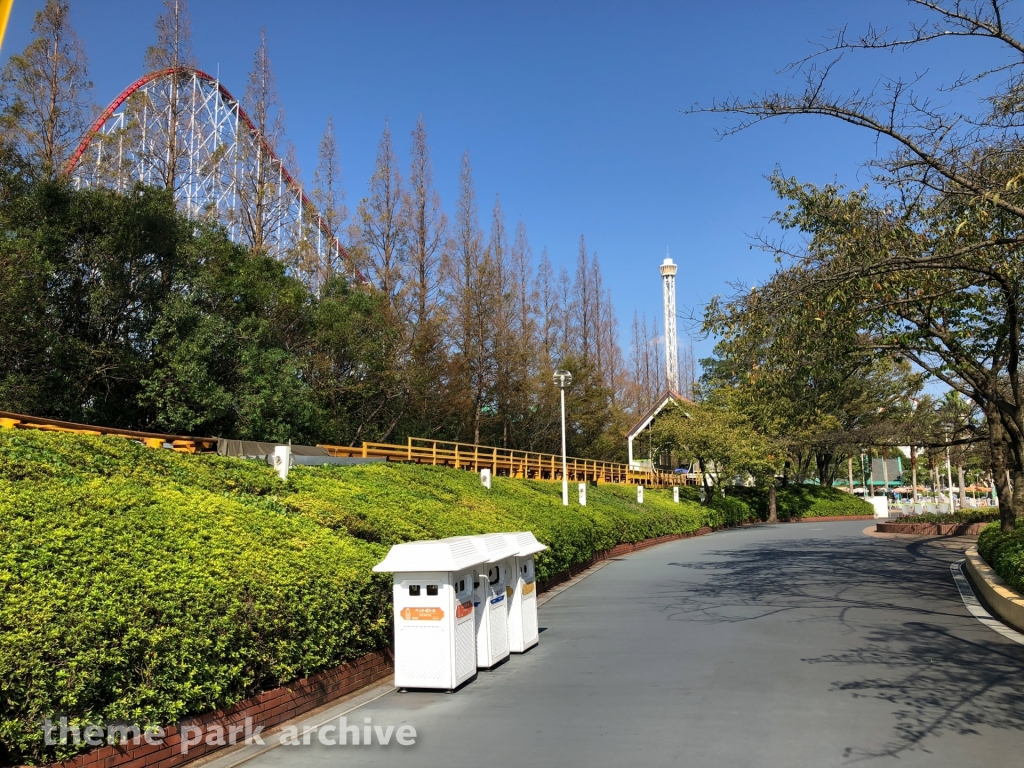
pixel 668 277
pixel 223 168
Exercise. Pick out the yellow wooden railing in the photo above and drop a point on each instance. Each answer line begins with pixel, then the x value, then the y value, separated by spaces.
pixel 179 443
pixel 441 453
pixel 508 462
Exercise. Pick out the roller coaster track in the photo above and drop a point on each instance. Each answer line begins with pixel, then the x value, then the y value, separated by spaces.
pixel 224 168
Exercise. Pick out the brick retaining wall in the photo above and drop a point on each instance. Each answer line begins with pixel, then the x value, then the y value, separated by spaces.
pixel 268 709
pixel 932 529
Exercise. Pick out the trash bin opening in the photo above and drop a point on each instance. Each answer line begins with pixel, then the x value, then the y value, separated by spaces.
pixel 432 590
pixel 414 590
pixel 493 575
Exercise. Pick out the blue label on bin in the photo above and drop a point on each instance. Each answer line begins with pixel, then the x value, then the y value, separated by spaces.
pixel 497 599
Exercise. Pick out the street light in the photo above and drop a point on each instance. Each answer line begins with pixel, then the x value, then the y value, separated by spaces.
pixel 562 380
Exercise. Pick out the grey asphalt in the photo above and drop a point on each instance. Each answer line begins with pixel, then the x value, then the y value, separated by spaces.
pixel 787 645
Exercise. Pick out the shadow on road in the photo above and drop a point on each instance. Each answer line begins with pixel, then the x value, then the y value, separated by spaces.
pixel 911 643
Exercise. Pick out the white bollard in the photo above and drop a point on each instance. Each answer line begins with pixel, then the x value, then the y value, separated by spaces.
pixel 282 460
pixel 675 493
pixel 639 494
pixel 485 478
pixel 583 494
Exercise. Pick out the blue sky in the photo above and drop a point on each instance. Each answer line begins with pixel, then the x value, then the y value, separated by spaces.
pixel 571 111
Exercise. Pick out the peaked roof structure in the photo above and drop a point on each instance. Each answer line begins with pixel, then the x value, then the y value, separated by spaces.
pixel 668 396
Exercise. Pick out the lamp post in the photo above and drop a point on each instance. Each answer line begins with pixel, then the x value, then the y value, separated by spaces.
pixel 562 380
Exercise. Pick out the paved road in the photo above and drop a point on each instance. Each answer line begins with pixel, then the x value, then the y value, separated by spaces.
pixel 790 645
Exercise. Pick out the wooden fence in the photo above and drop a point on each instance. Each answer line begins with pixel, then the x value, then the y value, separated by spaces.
pixel 503 462
pixel 507 462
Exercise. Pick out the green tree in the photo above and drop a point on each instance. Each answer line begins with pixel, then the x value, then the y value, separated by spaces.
pixel 928 265
pixel 719 437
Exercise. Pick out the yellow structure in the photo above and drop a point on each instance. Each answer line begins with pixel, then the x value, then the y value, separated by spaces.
pixel 5 14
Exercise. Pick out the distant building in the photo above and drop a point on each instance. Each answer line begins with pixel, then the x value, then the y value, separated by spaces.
pixel 653 462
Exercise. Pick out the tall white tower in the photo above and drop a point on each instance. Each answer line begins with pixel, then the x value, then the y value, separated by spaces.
pixel 668 284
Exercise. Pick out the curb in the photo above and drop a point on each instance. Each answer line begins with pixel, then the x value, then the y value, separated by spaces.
pixel 1003 600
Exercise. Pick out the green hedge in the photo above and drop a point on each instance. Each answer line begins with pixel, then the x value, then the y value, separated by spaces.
pixel 964 516
pixel 1005 553
pixel 793 502
pixel 147 585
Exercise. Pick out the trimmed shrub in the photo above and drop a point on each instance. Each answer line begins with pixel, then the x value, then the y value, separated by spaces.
pixel 793 502
pixel 148 585
pixel 1005 553
pixel 963 516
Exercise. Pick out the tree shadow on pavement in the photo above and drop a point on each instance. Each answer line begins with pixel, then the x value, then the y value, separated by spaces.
pixel 913 645
pixel 938 681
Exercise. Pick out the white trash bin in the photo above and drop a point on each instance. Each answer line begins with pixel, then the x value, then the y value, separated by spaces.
pixel 523 632
pixel 435 635
pixel 881 505
pixel 490 599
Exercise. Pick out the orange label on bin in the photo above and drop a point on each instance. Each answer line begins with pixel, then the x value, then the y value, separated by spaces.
pixel 421 614
pixel 464 609
pixel 528 587
pixel 508 592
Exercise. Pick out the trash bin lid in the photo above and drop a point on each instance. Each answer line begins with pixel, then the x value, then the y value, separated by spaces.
pixel 497 546
pixel 454 554
pixel 526 543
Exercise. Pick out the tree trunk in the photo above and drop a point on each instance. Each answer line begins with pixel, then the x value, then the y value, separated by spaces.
pixel 960 483
pixel 998 450
pixel 773 516
pixel 1017 492
pixel 826 471
pixel 913 471
pixel 709 487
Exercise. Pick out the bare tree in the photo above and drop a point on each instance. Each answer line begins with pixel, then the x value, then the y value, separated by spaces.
pixel 583 303
pixel 166 151
pixel 46 104
pixel 563 311
pixel 547 307
pixel 261 180
pixel 523 285
pixel 611 353
pixel 469 294
pixel 426 227
pixel 329 198
pixel 381 225
pixel 687 371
